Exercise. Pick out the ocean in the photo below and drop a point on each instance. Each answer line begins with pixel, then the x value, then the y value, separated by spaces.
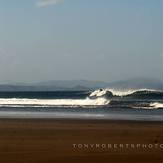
pixel 113 104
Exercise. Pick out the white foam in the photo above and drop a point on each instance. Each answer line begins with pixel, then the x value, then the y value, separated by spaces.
pixel 55 102
pixel 156 105
pixel 143 107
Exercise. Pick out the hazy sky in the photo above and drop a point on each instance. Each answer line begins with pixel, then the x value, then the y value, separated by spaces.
pixel 104 40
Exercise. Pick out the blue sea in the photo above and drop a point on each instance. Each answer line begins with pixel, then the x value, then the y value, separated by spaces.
pixel 111 104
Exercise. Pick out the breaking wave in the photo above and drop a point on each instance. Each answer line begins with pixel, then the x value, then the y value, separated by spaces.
pixel 139 93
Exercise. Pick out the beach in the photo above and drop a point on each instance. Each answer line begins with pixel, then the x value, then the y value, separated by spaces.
pixel 77 140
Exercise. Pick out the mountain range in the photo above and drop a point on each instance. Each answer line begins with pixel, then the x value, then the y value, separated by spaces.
pixel 72 85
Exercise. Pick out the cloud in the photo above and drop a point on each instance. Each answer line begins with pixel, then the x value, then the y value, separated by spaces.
pixel 44 3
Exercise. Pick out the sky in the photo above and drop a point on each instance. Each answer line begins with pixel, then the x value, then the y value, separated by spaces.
pixel 105 40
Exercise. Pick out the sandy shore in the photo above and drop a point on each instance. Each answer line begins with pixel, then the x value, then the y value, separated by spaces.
pixel 49 141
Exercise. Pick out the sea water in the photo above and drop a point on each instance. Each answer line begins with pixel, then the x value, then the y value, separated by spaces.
pixel 141 104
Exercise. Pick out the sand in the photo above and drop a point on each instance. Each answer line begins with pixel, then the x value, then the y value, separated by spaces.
pixel 80 141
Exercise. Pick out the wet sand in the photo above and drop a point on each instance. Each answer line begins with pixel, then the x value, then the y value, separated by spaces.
pixel 61 140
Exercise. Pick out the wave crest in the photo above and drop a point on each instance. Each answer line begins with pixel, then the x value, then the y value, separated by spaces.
pixel 139 93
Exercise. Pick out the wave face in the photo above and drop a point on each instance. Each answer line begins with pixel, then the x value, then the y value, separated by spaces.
pixel 136 94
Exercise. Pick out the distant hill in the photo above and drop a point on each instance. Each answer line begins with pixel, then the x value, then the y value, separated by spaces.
pixel 79 85
pixel 58 85
pixel 74 83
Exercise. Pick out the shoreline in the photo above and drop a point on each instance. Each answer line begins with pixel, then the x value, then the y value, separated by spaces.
pixel 81 116
pixel 80 120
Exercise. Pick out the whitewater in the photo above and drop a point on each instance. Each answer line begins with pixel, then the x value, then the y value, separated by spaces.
pixel 54 102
